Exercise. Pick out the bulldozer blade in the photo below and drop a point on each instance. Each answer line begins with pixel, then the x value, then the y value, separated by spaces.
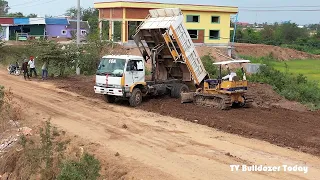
pixel 187 97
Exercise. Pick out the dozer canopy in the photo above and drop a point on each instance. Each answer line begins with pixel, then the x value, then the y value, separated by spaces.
pixel 230 62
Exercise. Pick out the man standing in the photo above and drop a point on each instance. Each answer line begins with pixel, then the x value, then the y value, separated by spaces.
pixel 32 67
pixel 25 69
pixel 44 71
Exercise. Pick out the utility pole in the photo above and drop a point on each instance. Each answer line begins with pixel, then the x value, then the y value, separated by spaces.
pixel 78 33
pixel 234 34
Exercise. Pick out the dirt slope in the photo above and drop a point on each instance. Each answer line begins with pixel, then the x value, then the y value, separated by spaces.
pixel 254 50
pixel 154 146
pixel 260 50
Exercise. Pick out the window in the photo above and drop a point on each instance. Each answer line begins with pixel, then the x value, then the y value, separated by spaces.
pixel 193 18
pixel 214 34
pixel 135 65
pixel 193 34
pixel 215 19
pixel 112 67
pixel 64 32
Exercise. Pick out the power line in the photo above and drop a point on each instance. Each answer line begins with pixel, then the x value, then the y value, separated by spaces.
pixel 280 6
pixel 40 3
pixel 272 10
pixel 22 4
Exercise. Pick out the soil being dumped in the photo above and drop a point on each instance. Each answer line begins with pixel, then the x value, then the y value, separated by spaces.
pixel 267 120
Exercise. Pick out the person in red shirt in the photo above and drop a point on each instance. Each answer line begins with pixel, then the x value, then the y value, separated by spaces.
pixel 25 69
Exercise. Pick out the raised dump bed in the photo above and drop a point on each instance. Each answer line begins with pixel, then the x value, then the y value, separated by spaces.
pixel 169 46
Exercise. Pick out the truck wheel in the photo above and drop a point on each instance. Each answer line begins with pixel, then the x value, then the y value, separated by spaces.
pixel 109 99
pixel 136 97
pixel 177 89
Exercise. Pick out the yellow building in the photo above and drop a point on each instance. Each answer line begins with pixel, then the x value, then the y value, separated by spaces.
pixel 206 24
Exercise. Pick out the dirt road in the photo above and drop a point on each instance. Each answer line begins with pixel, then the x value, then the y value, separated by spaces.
pixel 155 146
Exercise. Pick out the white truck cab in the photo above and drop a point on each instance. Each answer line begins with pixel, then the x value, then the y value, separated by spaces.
pixel 117 75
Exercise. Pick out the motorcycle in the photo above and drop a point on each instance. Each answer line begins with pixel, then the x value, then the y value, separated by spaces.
pixel 14 69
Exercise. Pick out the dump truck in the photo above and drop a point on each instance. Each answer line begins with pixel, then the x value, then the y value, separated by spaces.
pixel 163 40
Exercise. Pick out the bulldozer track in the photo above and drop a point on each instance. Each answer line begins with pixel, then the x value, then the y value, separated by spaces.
pixel 249 100
pixel 220 101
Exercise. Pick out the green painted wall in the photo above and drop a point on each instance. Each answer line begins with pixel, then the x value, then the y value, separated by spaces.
pixel 36 30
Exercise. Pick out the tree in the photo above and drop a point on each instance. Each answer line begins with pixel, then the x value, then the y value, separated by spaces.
pixel 3 7
pixel 72 12
pixel 92 16
pixel 32 15
pixel 317 35
pixel 16 14
pixel 291 32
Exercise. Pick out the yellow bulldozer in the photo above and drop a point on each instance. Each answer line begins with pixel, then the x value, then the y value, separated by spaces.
pixel 223 92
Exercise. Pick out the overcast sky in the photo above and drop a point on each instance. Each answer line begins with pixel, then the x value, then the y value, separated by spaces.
pixel 58 7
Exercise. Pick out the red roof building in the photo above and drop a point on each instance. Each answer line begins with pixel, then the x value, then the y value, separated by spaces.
pixel 6 20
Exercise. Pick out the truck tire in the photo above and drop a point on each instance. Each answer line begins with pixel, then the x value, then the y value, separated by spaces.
pixel 109 99
pixel 177 89
pixel 135 98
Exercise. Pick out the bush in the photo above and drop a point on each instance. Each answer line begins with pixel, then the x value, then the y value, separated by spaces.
pixel 292 87
pixel 86 169
pixel 212 69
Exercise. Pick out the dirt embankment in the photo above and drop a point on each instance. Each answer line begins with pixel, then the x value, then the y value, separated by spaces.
pixel 268 120
pixel 262 50
pixel 220 53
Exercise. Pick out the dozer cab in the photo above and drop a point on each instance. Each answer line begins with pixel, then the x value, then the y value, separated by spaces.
pixel 223 92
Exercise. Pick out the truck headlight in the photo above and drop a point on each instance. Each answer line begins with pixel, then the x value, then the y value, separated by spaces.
pixel 117 86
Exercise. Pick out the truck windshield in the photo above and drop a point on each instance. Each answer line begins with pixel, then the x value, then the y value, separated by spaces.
pixel 111 66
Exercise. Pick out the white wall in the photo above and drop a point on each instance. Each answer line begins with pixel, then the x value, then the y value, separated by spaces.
pixel 4 35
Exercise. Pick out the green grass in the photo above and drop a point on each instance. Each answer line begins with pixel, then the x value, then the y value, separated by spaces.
pixel 309 68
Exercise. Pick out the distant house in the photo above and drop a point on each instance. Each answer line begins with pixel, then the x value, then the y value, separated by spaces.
pixel 72 28
pixel 57 27
pixel 27 28
pixel 244 24
pixel 4 32
pixel 34 28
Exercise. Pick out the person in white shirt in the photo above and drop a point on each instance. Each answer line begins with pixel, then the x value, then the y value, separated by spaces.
pixel 230 76
pixel 32 66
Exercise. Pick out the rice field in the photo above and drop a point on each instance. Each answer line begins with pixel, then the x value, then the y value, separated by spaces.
pixel 309 68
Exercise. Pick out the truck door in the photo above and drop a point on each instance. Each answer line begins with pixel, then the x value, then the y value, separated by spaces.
pixel 136 71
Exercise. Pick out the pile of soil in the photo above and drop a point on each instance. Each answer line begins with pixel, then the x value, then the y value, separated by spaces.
pixel 220 53
pixel 265 97
pixel 261 50
pixel 270 119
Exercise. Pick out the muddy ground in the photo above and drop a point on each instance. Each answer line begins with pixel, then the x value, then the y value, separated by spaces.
pixel 136 144
pixel 268 120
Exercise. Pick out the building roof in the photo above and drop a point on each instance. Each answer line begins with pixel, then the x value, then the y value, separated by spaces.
pixel 83 24
pixel 37 21
pixel 21 21
pixel 56 21
pixel 6 20
pixel 155 5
